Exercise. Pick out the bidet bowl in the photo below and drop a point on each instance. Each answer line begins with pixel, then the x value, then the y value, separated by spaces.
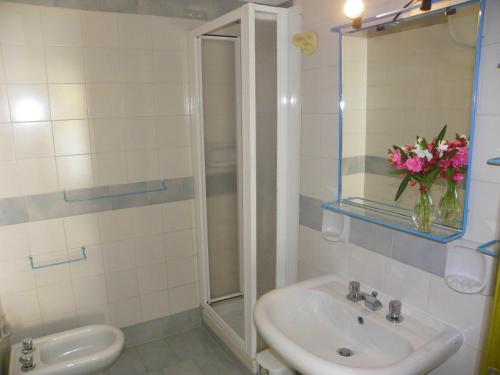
pixel 79 351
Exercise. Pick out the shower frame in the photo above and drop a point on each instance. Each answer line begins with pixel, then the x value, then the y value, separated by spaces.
pixel 288 21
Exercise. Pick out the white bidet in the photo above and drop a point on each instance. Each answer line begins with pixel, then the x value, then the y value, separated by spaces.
pixel 79 351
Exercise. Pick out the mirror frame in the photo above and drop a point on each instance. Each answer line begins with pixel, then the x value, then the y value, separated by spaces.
pixel 382 217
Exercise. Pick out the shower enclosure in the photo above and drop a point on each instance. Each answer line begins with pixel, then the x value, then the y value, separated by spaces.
pixel 246 157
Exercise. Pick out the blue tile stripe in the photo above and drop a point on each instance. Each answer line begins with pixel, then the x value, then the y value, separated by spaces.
pixel 19 210
pixel 417 252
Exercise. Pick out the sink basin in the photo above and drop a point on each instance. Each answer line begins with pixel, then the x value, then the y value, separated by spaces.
pixel 319 332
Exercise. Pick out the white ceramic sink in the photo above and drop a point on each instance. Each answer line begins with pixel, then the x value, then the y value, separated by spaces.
pixel 306 323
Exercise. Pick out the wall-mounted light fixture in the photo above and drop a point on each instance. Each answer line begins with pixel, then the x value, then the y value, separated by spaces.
pixel 353 9
pixel 426 5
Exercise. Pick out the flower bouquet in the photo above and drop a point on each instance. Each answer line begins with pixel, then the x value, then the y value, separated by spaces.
pixel 453 166
pixel 421 164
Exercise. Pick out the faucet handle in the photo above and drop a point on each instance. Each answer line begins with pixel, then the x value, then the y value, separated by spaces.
pixel 394 314
pixel 354 287
pixel 353 294
pixel 27 345
pixel 374 294
pixel 27 361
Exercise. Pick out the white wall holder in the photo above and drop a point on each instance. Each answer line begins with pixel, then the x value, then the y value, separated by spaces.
pixel 469 271
pixel 335 226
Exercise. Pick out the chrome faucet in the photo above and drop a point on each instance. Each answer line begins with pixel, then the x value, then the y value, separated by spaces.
pixel 356 295
pixel 27 360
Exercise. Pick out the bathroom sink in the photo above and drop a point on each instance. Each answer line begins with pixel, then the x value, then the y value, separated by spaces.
pixel 318 331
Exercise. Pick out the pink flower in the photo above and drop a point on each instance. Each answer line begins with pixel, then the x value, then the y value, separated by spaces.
pixel 458 177
pixel 397 160
pixel 414 164
pixel 461 159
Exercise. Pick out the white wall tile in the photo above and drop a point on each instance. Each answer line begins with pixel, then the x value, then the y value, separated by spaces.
pixel 135 65
pixel 75 172
pixel 104 100
pixel 14 242
pixel 172 99
pixel 107 135
pixel 173 131
pixel 61 27
pixel 140 133
pixel 47 235
pixel 142 165
pixel 110 168
pixel 22 306
pixel 99 29
pixel 134 31
pixel 28 103
pixel 64 65
pixel 155 305
pixel 149 250
pixel 16 277
pixel 67 101
pixel 115 225
pixel 4 105
pixel 90 291
pixel 33 139
pixel 52 275
pixel 6 142
pixel 118 256
pixel 169 35
pixel 56 299
pixel 177 216
pixel 10 181
pixel 175 162
pixel 170 66
pixel 138 99
pixel 147 220
pixel 100 65
pixel 24 64
pixel 93 315
pixel 20 24
pixel 179 244
pixel 125 312
pixel 152 278
pixel 122 285
pixel 180 272
pixel 183 298
pixel 71 137
pixel 38 175
pixel 92 266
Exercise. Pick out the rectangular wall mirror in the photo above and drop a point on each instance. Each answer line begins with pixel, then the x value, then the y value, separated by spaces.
pixel 401 79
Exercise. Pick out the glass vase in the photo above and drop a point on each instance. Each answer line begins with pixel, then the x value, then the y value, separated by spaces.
pixel 423 215
pixel 449 208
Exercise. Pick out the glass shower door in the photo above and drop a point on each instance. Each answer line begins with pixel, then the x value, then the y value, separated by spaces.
pixel 222 132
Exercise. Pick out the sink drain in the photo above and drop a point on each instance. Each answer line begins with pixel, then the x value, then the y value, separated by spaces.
pixel 344 352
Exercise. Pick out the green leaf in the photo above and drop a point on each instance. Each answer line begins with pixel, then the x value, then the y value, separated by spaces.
pixel 424 144
pixel 402 186
pixel 400 150
pixel 441 135
pixel 452 153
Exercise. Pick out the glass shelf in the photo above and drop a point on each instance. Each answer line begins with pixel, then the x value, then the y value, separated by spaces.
pixel 494 161
pixel 491 248
pixel 397 218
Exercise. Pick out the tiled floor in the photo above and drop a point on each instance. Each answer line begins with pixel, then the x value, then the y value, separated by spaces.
pixel 195 352
pixel 232 312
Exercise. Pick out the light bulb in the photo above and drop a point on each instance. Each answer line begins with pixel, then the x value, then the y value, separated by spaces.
pixel 354 8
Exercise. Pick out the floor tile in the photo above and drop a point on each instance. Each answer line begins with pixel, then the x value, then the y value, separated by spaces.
pixel 194 343
pixel 129 363
pixel 217 363
pixel 183 368
pixel 156 355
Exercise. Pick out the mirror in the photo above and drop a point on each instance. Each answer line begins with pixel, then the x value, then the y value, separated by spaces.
pixel 403 79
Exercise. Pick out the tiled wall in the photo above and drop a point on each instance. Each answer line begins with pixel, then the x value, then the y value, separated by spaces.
pixel 359 259
pixel 91 99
